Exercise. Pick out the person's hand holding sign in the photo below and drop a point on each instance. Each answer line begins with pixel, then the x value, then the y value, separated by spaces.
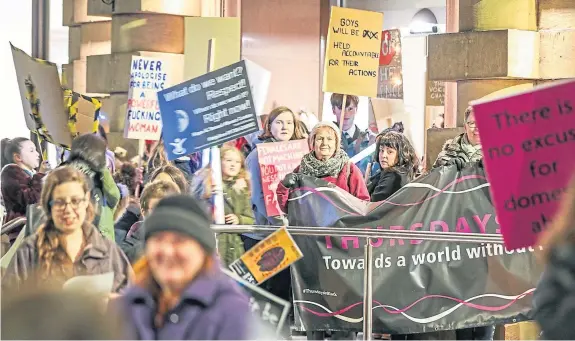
pixel 232 219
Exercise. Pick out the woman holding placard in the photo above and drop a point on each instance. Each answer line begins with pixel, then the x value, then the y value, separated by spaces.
pixel 67 244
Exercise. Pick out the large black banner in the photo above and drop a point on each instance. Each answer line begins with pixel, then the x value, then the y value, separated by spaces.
pixel 419 286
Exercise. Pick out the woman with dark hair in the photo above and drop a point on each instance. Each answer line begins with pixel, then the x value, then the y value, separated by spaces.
pixel 158 158
pixel 88 154
pixel 399 165
pixel 21 184
pixel 171 174
pixel 67 244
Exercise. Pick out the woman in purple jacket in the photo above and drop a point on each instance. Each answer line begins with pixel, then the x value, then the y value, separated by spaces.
pixel 179 291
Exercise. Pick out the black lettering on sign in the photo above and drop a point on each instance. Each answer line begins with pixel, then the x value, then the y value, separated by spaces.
pixel 370 34
pixel 333 62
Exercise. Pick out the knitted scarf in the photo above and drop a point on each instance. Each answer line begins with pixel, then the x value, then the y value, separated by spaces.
pixel 310 165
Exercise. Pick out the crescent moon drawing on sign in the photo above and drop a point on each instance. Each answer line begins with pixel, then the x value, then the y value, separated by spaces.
pixel 183 120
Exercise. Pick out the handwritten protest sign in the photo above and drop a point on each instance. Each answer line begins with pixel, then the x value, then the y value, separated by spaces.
pixel 390 81
pixel 270 309
pixel 528 142
pixel 267 258
pixel 276 161
pixel 352 52
pixel 435 93
pixel 207 111
pixel 143 119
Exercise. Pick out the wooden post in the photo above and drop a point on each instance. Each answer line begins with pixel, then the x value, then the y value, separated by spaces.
pixel 343 107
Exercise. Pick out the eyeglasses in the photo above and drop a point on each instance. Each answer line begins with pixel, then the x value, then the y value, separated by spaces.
pixel 60 204
pixel 471 124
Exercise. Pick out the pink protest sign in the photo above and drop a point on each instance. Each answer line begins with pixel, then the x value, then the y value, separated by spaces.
pixel 528 143
pixel 276 161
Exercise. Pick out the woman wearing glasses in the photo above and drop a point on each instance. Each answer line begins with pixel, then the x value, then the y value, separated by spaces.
pixel 67 244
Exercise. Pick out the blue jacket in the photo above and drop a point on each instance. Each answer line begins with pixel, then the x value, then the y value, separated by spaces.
pixel 213 307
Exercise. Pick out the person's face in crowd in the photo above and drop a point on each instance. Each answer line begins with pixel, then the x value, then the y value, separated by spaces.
pixel 471 130
pixel 68 206
pixel 29 156
pixel 174 259
pixel 349 116
pixel 231 164
pixel 324 143
pixel 164 177
pixel 387 157
pixel 283 126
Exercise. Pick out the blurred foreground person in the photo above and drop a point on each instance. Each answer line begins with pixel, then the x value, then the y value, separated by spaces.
pixel 180 292
pixel 554 298
pixel 56 315
pixel 67 244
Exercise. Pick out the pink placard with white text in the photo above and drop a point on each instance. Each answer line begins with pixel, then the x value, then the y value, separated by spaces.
pixel 277 160
pixel 528 143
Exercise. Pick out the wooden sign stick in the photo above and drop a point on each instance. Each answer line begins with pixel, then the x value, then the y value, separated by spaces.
pixel 343 107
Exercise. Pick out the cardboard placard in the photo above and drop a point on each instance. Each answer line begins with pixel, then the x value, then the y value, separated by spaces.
pixel 48 92
pixel 528 141
pixel 226 33
pixel 207 111
pixel 352 52
pixel 147 76
pixel 276 161
pixel 390 80
pixel 269 308
pixel 435 93
pixel 267 258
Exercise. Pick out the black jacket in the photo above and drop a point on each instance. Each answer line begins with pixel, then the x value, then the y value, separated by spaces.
pixel 383 184
pixel 554 298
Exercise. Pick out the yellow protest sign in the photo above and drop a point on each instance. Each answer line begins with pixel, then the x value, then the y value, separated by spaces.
pixel 267 258
pixel 352 52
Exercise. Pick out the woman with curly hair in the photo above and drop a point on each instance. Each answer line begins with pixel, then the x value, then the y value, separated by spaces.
pixel 67 244
pixel 237 200
pixel 398 162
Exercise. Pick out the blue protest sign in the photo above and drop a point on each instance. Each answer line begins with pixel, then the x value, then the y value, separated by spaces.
pixel 207 111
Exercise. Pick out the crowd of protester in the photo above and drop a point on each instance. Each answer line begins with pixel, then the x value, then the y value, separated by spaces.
pixel 150 226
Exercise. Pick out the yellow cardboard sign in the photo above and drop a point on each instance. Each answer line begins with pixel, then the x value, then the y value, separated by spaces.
pixel 267 258
pixel 352 52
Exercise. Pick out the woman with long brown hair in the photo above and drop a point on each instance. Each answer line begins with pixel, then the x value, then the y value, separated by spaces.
pixel 67 244
pixel 179 291
pixel 554 298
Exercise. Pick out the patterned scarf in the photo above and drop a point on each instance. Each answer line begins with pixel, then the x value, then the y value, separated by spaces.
pixel 310 165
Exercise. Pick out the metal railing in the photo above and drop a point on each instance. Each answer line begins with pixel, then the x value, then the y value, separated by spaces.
pixel 10 226
pixel 368 249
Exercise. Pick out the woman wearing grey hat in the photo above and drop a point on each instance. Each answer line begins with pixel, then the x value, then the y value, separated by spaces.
pixel 326 161
pixel 179 291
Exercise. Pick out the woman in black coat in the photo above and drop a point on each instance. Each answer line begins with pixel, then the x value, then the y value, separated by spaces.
pixel 554 298
pixel 398 162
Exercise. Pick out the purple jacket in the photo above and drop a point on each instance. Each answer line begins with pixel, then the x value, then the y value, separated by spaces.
pixel 213 307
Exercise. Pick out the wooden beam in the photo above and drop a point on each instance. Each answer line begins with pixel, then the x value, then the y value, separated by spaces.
pixel 556 14
pixel 485 15
pixel 99 8
pixel 557 54
pixel 89 39
pixel 147 32
pixel 75 12
pixel 115 107
pixel 190 8
pixel 488 54
pixel 111 73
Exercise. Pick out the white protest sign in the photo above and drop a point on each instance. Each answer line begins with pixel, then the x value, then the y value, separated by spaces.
pixel 260 79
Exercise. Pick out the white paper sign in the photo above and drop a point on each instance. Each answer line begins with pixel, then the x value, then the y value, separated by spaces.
pixel 259 82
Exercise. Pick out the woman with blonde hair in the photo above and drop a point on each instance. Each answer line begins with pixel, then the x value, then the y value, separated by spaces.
pixel 179 291
pixel 237 205
pixel 67 244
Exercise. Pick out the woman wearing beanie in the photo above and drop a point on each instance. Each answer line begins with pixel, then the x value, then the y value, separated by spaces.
pixel 67 244
pixel 398 163
pixel 326 161
pixel 179 292
pixel 237 205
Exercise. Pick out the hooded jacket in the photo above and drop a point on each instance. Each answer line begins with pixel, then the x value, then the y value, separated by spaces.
pixel 212 307
pixel 459 148
pixel 100 256
pixel 19 189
